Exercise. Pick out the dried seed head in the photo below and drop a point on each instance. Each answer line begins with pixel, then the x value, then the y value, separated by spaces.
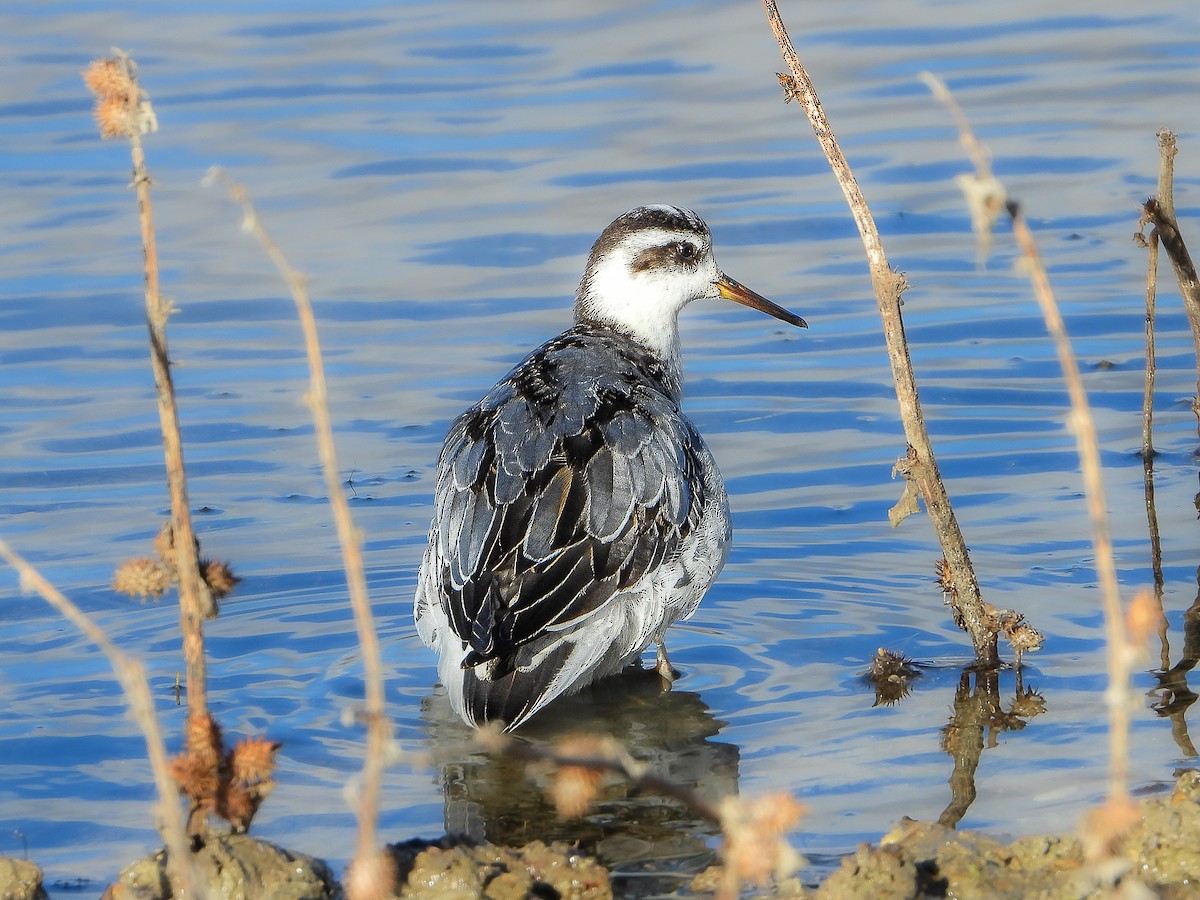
pixel 1022 636
pixel 253 760
pixel 204 741
pixel 1028 703
pixel 143 578
pixel 371 877
pixel 944 579
pixel 219 577
pixel 1104 826
pixel 575 787
pixel 197 780
pixel 108 78
pixel 891 674
pixel 237 804
pixel 1142 619
pixel 164 542
pixel 247 781
pixel 755 848
pixel 122 109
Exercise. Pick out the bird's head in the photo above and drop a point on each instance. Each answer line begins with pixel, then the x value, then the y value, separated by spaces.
pixel 646 266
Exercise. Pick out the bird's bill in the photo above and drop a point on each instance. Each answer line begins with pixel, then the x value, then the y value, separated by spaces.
pixel 739 293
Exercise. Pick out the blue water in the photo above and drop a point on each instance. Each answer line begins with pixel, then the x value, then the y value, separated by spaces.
pixel 439 171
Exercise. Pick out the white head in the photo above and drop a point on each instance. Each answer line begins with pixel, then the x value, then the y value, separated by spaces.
pixel 646 266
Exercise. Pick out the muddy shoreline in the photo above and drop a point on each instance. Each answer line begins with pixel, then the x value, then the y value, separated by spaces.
pixel 1159 856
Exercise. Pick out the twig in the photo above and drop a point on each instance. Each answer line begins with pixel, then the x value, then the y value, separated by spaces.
pixel 919 466
pixel 1151 361
pixel 132 676
pixel 1125 634
pixel 1083 426
pixel 983 191
pixel 367 856
pixel 1160 211
pixel 1148 409
pixel 123 111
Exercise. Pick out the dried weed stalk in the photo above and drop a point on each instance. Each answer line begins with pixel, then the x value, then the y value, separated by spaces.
pixel 228 783
pixel 149 578
pixel 132 676
pixel 1083 426
pixel 1160 212
pixel 367 877
pixel 918 466
pixel 123 111
pixel 1124 636
pixel 1166 150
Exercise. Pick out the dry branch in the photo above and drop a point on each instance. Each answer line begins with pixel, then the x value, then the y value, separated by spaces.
pixel 918 466
pixel 123 111
pixel 369 870
pixel 1160 211
pixel 1120 649
pixel 1166 148
pixel 132 676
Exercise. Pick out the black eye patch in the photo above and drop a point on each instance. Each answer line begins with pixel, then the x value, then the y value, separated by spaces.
pixel 668 255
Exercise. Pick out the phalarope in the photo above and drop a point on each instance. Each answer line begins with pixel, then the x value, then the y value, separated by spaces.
pixel 578 512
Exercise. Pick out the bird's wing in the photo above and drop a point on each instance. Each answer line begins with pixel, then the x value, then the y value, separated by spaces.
pixel 565 485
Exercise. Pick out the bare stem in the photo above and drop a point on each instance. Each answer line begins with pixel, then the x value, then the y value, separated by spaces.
pixel 1160 211
pixel 132 676
pixel 123 110
pixel 972 613
pixel 1148 414
pixel 1151 362
pixel 1083 426
pixel 195 600
pixel 379 730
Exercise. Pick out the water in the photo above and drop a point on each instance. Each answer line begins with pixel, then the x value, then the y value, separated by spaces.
pixel 439 172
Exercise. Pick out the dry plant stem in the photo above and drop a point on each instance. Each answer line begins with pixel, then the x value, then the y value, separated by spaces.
pixel 1161 211
pixel 973 614
pixel 979 155
pixel 132 675
pixel 1148 416
pixel 195 601
pixel 1151 363
pixel 1082 425
pixel 378 726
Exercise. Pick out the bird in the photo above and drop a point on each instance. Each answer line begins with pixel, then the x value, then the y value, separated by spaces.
pixel 577 511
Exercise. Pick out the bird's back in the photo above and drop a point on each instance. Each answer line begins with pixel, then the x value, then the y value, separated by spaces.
pixel 577 513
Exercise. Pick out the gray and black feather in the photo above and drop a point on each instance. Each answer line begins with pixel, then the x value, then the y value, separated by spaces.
pixel 574 477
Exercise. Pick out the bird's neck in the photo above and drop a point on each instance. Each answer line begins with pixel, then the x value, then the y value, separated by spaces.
pixel 665 372
pixel 658 337
pixel 642 310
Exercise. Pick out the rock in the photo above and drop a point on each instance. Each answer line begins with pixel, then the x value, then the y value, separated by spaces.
pixel 236 867
pixel 20 880
pixel 447 870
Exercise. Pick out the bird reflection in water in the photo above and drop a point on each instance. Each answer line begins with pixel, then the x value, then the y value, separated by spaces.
pixel 639 836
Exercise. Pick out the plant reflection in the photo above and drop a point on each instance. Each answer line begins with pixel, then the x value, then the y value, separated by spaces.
pixel 891 674
pixel 976 724
pixel 1171 697
pixel 498 798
